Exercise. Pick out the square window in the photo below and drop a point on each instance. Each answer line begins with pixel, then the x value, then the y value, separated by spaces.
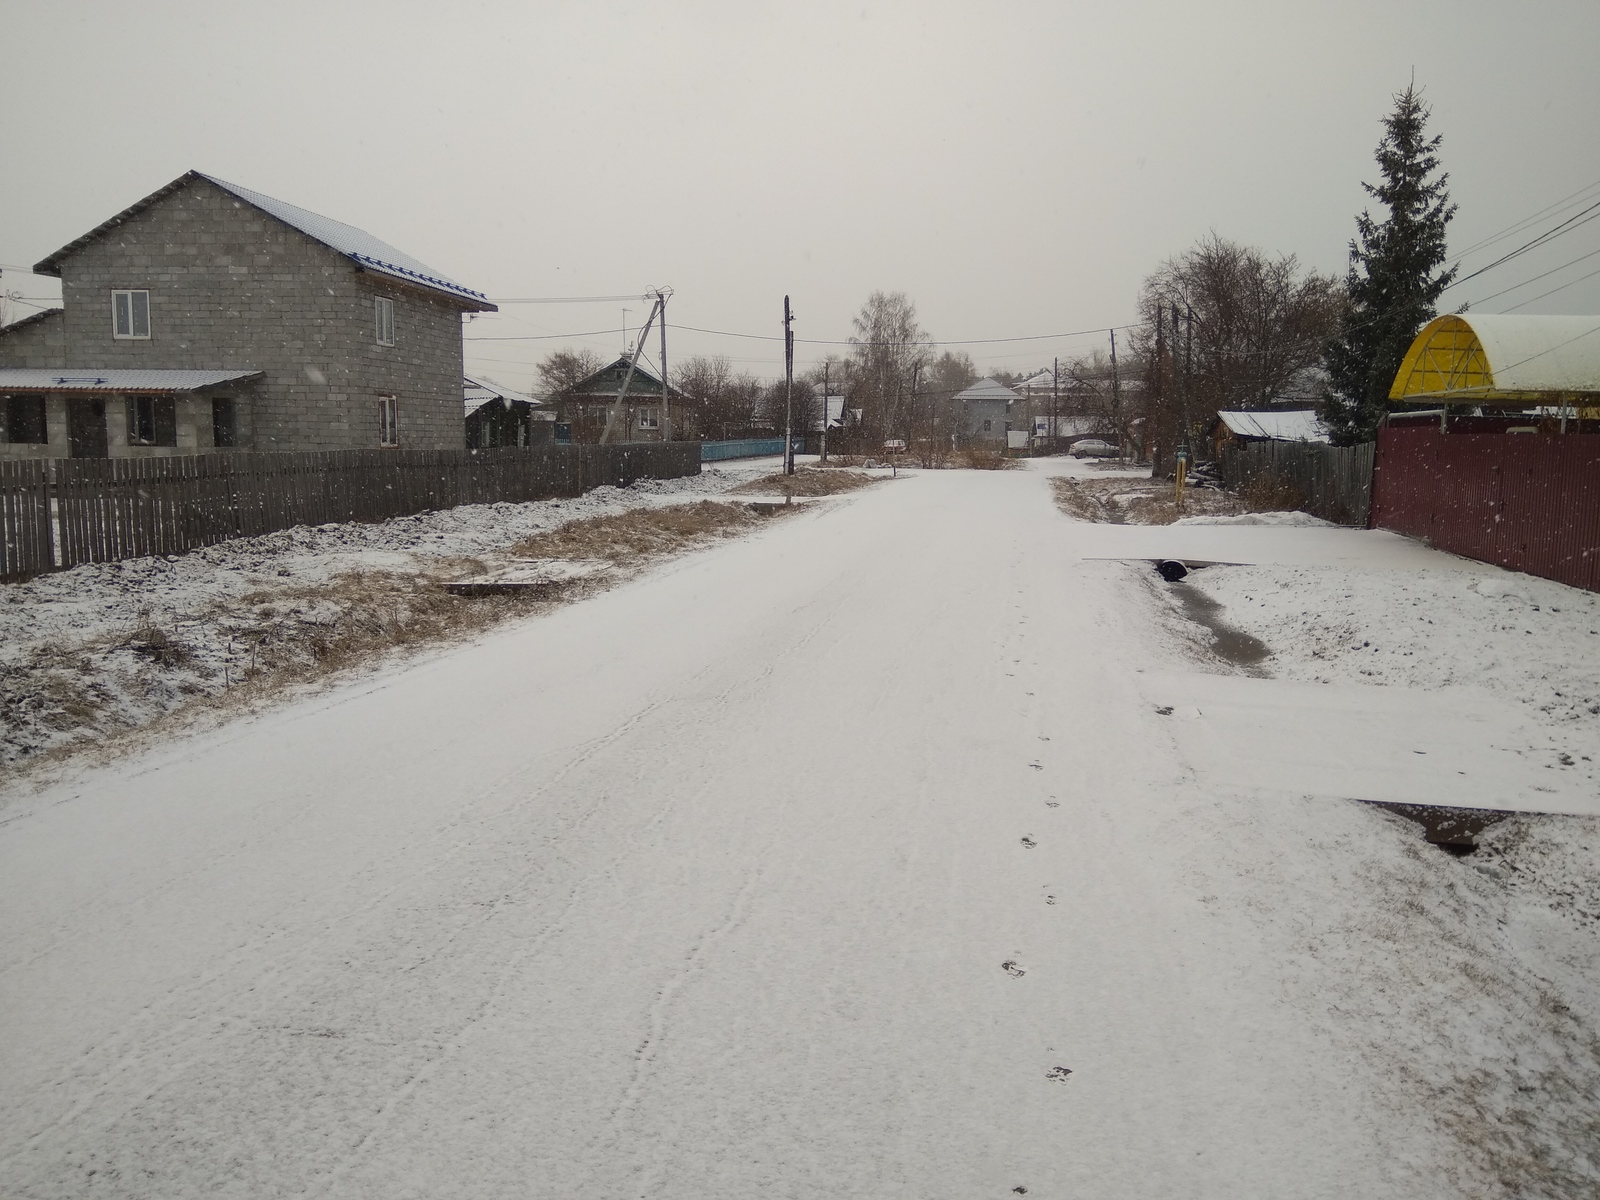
pixel 388 421
pixel 649 419
pixel 130 314
pixel 152 421
pixel 25 420
pixel 384 309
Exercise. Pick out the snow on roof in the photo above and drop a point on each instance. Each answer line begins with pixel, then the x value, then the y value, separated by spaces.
pixel 1477 356
pixel 987 389
pixel 1042 379
pixel 117 380
pixel 32 319
pixel 1296 426
pixel 368 252
pixel 476 392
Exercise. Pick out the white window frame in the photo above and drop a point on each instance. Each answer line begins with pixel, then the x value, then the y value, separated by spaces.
pixel 132 334
pixel 649 418
pixel 383 314
pixel 388 422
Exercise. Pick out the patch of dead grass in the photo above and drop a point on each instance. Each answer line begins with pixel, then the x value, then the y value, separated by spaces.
pixel 1125 501
pixel 809 481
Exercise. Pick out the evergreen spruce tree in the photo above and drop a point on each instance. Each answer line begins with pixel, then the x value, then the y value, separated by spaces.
pixel 1395 274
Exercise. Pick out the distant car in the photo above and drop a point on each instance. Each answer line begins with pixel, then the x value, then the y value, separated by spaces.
pixel 1093 448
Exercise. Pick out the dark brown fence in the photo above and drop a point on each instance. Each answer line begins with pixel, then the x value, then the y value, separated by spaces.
pixel 62 512
pixel 1529 502
pixel 1336 481
pixel 25 547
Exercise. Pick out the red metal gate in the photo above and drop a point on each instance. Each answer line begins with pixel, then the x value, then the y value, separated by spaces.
pixel 1528 502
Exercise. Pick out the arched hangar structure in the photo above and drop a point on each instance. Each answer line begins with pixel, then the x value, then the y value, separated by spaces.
pixel 1504 360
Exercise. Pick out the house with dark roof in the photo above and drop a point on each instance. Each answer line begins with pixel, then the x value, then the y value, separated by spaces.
pixel 211 317
pixel 587 405
pixel 498 416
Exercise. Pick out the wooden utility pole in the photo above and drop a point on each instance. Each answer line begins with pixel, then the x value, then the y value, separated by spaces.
pixel 788 389
pixel 1152 430
pixel 825 399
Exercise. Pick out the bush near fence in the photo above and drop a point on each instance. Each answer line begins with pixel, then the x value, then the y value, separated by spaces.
pixel 1335 482
pixel 57 513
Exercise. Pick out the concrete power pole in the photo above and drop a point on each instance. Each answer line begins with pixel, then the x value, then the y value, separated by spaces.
pixel 1055 406
pixel 825 391
pixel 1116 395
pixel 788 389
pixel 666 390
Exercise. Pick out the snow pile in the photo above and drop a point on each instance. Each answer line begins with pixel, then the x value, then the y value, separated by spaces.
pixel 1530 640
pixel 1298 520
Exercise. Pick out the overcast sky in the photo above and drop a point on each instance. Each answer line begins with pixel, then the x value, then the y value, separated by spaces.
pixel 1015 168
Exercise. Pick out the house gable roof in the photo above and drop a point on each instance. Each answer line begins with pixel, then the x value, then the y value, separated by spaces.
pixel 987 389
pixel 32 319
pixel 367 252
pixel 607 382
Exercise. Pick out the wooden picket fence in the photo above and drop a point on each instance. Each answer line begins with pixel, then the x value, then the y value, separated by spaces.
pixel 1336 481
pixel 57 513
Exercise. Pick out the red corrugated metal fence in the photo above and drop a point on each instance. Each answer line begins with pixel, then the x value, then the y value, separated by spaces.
pixel 1523 501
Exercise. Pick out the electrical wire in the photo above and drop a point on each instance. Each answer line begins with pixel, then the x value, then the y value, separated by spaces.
pixel 1535 279
pixel 1554 290
pixel 1561 230
pixel 1510 230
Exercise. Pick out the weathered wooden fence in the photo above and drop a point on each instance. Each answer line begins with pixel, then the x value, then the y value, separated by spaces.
pixel 25 546
pixel 1336 481
pixel 57 513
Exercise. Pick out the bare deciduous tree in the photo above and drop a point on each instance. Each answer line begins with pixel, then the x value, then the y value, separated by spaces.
pixel 1258 324
pixel 886 345
pixel 561 370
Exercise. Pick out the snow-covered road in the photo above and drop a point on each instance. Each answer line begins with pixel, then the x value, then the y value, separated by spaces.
pixel 806 866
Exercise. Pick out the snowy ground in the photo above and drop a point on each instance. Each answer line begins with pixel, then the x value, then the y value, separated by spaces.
pixel 855 857
pixel 111 646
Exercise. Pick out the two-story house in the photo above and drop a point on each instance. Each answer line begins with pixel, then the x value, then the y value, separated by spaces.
pixel 210 317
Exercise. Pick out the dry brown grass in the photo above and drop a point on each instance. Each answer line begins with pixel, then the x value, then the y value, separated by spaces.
pixel 643 532
pixel 1271 492
pixel 977 458
pixel 808 481
pixel 1127 501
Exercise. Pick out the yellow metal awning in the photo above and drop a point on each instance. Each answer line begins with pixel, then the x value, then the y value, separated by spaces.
pixel 1502 360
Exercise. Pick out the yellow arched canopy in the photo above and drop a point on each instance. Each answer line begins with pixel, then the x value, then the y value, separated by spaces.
pixel 1502 359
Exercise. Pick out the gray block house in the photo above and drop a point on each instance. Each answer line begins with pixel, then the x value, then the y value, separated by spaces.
pixel 984 412
pixel 211 317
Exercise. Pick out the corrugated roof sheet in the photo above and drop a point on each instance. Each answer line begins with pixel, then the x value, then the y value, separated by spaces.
pixel 987 389
pixel 372 253
pixel 368 252
pixel 1294 426
pixel 117 380
pixel 475 393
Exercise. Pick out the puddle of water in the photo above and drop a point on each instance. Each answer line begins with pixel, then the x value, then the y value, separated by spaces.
pixel 1454 830
pixel 1227 643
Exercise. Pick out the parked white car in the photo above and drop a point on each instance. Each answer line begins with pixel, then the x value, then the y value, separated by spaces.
pixel 1093 448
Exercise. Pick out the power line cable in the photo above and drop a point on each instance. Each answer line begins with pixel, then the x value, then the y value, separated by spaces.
pixel 1561 230
pixel 1535 279
pixel 1511 230
pixel 1554 290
